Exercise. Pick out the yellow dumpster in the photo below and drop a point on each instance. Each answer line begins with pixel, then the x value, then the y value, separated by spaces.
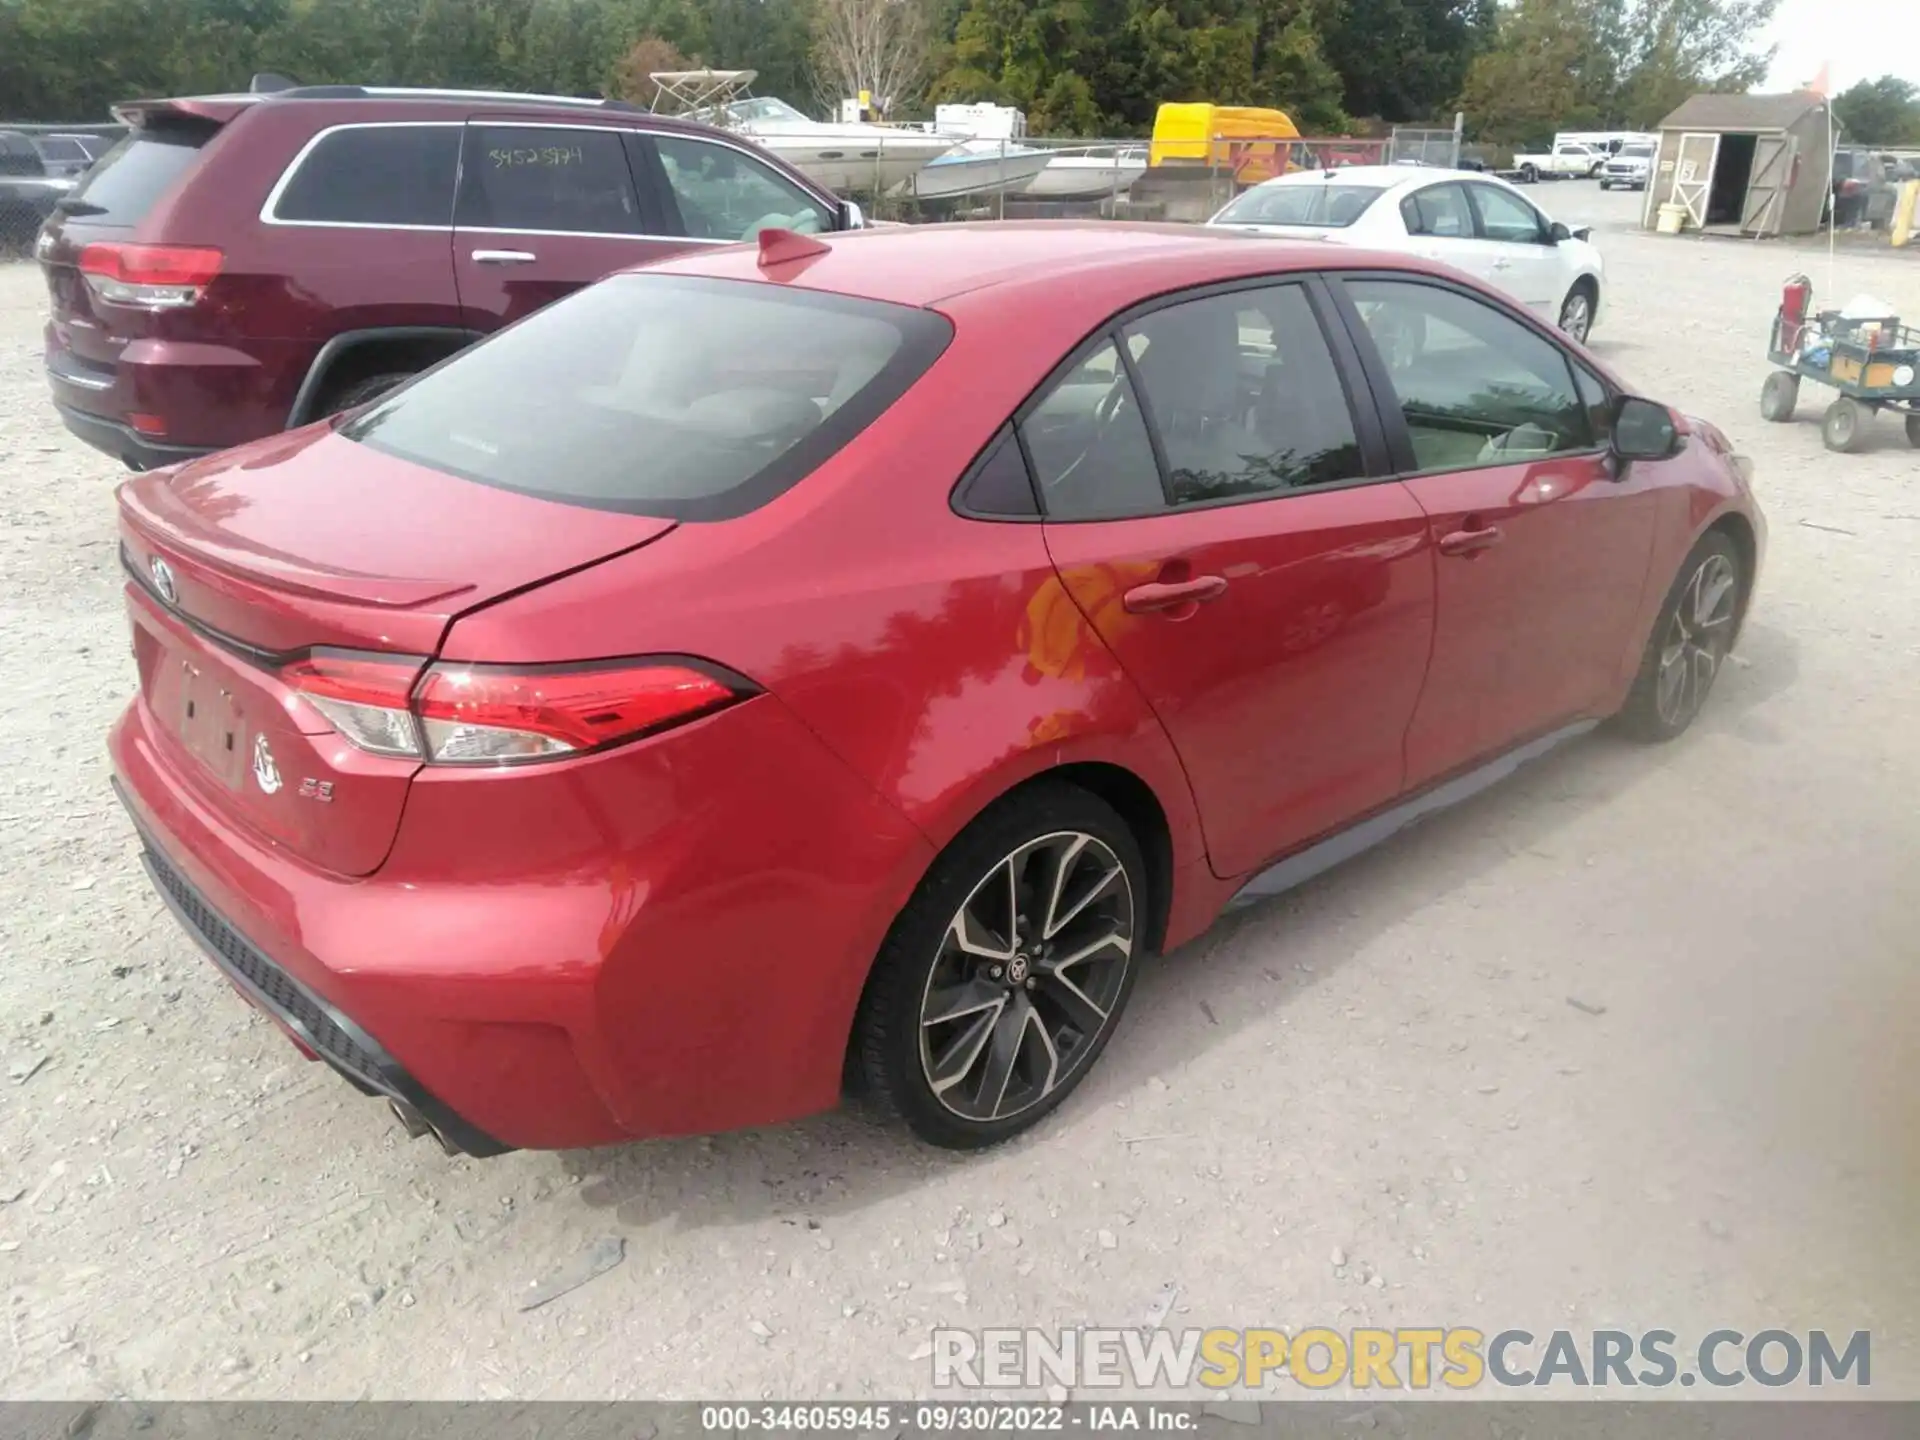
pixel 1247 140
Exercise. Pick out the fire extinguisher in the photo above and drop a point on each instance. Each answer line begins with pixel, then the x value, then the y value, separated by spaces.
pixel 1796 298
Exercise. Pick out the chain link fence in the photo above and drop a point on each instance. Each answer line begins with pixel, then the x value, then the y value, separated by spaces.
pixel 39 163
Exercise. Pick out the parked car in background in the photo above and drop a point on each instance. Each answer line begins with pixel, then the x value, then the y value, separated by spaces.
pixel 28 192
pixel 340 239
pixel 1566 160
pixel 1476 223
pixel 70 155
pixel 1630 167
pixel 1120 574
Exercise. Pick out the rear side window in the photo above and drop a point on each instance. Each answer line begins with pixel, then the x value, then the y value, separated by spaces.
pixel 691 399
pixel 62 149
pixel 1440 211
pixel 18 157
pixel 375 175
pixel 126 182
pixel 1330 206
pixel 529 177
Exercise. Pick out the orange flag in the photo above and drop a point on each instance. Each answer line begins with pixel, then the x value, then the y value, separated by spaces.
pixel 1822 82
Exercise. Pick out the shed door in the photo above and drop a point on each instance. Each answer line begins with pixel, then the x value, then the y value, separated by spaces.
pixel 1693 174
pixel 1768 183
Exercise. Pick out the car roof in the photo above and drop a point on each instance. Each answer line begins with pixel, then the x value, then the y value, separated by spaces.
pixel 1386 176
pixel 1026 261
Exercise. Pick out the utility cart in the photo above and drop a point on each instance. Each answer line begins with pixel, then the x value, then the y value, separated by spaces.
pixel 1874 362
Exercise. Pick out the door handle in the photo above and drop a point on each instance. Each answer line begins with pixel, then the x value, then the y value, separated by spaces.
pixel 1503 264
pixel 504 257
pixel 1182 594
pixel 1469 542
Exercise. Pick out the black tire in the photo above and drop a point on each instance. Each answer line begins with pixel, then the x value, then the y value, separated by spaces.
pixel 896 1047
pixel 1529 175
pixel 1913 430
pixel 1576 311
pixel 1779 395
pixel 358 393
pixel 1844 427
pixel 1654 712
pixel 1605 184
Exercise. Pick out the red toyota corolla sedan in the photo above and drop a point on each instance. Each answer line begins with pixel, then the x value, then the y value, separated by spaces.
pixel 840 663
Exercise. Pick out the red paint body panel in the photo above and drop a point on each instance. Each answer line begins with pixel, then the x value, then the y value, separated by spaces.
pixel 672 935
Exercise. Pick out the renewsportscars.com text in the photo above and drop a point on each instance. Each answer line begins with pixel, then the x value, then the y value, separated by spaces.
pixel 1412 1358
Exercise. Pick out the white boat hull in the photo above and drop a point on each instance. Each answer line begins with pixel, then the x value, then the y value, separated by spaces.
pixel 855 163
pixel 985 171
pixel 1085 177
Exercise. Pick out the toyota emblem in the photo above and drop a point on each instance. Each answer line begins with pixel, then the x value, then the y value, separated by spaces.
pixel 163 580
pixel 265 771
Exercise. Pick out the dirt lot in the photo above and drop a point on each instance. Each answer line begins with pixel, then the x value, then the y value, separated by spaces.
pixel 1386 1064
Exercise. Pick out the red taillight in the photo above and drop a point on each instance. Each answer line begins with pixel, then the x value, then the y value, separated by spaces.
pixel 154 277
pixel 492 714
pixel 148 424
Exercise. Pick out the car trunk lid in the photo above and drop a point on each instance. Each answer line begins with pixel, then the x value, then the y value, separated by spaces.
pixel 241 563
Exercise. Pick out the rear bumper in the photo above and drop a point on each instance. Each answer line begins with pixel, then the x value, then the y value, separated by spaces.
pixel 317 1027
pixel 669 938
pixel 124 443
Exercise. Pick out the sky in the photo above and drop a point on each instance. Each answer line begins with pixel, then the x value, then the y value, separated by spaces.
pixel 1861 39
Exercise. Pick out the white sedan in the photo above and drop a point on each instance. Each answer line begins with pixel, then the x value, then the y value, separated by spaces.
pixel 1471 221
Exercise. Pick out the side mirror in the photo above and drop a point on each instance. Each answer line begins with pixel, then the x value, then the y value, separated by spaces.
pixel 852 217
pixel 1583 232
pixel 1642 430
pixel 1557 232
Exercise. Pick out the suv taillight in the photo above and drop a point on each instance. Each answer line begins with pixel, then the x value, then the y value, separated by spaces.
pixel 149 277
pixel 461 714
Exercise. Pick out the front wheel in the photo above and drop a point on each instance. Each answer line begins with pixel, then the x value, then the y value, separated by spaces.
pixel 1844 425
pixel 1003 979
pixel 1576 312
pixel 1606 184
pixel 1690 641
pixel 1913 429
pixel 1529 175
pixel 1779 395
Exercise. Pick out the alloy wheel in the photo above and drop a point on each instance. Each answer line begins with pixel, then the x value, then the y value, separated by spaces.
pixel 1576 316
pixel 1697 640
pixel 1029 973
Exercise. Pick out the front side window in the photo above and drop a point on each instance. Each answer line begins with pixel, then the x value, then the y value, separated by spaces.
pixel 1322 205
pixel 1244 395
pixel 691 399
pixel 1439 210
pixel 1505 216
pixel 1476 386
pixel 375 175
pixel 532 177
pixel 725 194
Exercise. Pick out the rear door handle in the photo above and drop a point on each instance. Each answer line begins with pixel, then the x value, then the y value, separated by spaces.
pixel 504 257
pixel 1468 542
pixel 1146 599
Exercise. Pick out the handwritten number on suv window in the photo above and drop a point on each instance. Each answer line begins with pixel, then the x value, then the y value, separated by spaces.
pixel 550 156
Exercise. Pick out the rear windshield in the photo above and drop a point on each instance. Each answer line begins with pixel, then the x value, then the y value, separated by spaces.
pixel 125 182
pixel 59 148
pixel 665 395
pixel 1332 206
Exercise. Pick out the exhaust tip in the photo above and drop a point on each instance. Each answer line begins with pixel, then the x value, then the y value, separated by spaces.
pixel 417 1125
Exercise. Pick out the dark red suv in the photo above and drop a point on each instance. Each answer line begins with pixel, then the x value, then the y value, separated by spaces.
pixel 242 264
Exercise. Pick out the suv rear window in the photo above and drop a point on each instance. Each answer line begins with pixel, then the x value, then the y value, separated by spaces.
pixel 375 175
pixel 691 399
pixel 1332 206
pixel 124 183
pixel 18 157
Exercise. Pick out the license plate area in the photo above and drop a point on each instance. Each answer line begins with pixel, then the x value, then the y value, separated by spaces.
pixel 211 723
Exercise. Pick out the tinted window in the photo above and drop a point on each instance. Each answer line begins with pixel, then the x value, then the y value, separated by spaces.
pixel 999 484
pixel 18 157
pixel 547 178
pixel 125 183
pixel 1089 446
pixel 726 195
pixel 1477 387
pixel 63 150
pixel 1243 393
pixel 1598 402
pixel 1438 210
pixel 1333 205
pixel 661 395
pixel 1505 216
pixel 376 175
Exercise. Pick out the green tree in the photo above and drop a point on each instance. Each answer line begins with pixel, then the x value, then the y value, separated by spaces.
pixel 1880 112
pixel 1404 60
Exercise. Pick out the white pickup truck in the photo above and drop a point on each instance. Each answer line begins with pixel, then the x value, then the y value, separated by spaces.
pixel 1565 161
pixel 1629 167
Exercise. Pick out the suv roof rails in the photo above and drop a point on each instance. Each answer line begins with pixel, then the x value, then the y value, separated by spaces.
pixel 409 92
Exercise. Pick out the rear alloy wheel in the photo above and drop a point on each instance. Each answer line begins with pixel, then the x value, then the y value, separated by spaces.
pixel 1844 426
pixel 1779 395
pixel 1004 977
pixel 1576 312
pixel 1690 642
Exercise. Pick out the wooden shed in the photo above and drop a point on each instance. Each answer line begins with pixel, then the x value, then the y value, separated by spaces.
pixel 1746 164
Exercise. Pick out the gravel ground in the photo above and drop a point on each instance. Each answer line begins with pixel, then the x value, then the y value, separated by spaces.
pixel 1387 1064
